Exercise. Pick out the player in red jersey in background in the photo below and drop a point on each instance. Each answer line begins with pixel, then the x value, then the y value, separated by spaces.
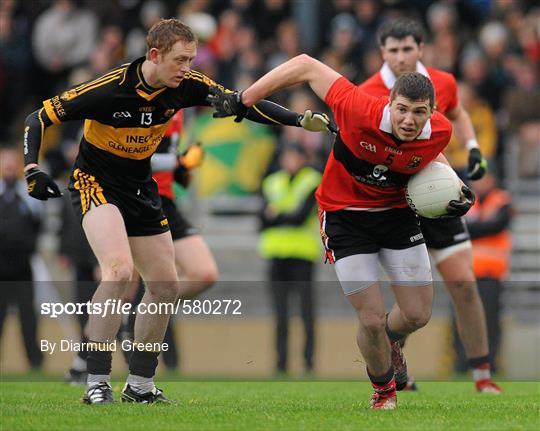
pixel 448 241
pixel 364 216
pixel 194 261
pixel 193 258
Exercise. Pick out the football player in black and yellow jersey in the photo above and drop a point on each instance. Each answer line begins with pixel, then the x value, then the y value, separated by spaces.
pixel 126 113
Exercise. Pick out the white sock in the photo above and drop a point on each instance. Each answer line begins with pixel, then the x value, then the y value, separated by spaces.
pixel 140 384
pixel 95 379
pixel 481 374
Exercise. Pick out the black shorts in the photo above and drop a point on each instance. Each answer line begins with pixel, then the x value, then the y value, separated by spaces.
pixel 346 233
pixel 140 205
pixel 180 227
pixel 444 233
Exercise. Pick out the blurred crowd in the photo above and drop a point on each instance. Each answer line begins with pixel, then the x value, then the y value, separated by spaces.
pixel 46 46
pixel 492 47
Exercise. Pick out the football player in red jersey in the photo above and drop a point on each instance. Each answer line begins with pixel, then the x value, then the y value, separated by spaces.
pixel 364 216
pixel 448 241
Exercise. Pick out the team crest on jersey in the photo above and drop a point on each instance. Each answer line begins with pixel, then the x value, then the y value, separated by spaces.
pixel 169 113
pixel 68 95
pixel 414 162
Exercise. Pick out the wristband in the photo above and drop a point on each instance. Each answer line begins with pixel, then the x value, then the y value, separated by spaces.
pixel 471 143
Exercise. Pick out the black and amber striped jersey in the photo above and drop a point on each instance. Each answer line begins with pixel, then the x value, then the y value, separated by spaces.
pixel 125 118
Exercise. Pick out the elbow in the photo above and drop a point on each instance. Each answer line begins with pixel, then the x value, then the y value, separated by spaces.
pixel 304 62
pixel 32 119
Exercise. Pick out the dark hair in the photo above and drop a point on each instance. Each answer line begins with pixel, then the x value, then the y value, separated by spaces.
pixel 399 29
pixel 414 86
pixel 166 32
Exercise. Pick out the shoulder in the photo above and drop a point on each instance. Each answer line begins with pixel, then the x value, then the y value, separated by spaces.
pixel 194 76
pixel 374 81
pixel 344 90
pixel 440 126
pixel 441 78
pixel 100 85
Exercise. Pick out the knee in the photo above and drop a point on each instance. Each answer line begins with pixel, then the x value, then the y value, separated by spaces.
pixel 205 277
pixel 118 269
pixel 164 291
pixel 463 291
pixel 373 323
pixel 418 318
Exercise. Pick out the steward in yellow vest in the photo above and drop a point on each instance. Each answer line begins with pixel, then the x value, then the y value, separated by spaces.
pixel 291 242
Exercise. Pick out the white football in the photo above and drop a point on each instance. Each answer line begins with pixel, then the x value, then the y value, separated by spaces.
pixel 429 191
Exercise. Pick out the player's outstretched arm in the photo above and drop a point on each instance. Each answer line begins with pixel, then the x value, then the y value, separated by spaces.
pixel 39 184
pixel 227 104
pixel 297 70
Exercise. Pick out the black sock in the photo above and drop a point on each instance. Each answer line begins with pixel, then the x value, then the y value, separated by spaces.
pixel 83 353
pixel 143 363
pixel 381 380
pixel 477 362
pixel 98 361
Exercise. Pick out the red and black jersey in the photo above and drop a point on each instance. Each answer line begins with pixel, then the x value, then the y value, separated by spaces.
pixel 368 166
pixel 446 95
pixel 168 145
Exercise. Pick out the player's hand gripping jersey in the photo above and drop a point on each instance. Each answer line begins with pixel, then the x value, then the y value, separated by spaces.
pixel 369 167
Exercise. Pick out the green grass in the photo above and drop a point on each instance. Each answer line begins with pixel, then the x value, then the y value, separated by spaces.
pixel 273 405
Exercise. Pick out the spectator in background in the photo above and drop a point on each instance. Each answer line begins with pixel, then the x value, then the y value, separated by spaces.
pixel 289 241
pixel 442 19
pixel 19 228
pixel 493 38
pixel 63 38
pixel 483 121
pixel 488 222
pixel 151 12
pixel 315 146
pixel 344 45
pixel 367 13
pixel 522 104
pixel 15 61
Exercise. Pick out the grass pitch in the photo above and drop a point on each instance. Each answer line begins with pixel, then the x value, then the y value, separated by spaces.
pixel 273 405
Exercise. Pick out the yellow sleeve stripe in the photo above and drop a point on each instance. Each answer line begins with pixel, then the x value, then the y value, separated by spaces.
pixel 47 104
pixel 99 84
pixel 123 77
pixel 101 78
pixel 265 116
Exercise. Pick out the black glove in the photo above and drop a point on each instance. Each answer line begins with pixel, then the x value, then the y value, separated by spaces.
pixel 227 104
pixel 40 185
pixel 477 165
pixel 182 175
pixel 460 208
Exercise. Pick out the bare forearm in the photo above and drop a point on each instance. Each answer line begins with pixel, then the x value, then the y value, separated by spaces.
pixel 292 72
pixel 300 69
pixel 464 129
